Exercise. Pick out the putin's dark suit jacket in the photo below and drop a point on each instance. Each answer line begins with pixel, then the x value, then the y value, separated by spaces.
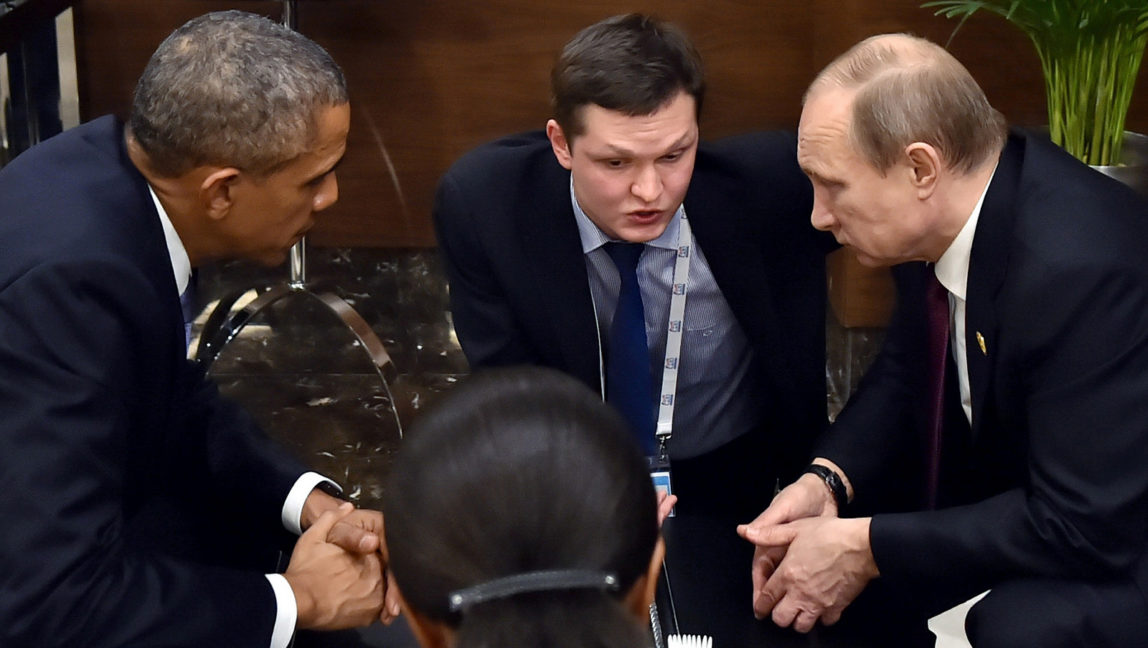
pixel 1052 478
pixel 103 422
pixel 520 293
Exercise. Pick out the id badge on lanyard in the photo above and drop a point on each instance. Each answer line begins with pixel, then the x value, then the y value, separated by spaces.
pixel 659 464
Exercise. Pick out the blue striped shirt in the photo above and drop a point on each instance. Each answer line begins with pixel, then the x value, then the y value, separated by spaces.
pixel 715 399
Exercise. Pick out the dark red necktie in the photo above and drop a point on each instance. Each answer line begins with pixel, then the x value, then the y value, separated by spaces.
pixel 936 354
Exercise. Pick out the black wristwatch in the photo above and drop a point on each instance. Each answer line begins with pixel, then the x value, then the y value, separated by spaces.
pixel 834 482
pixel 332 489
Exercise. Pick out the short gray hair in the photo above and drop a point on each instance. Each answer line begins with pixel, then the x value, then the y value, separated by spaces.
pixel 234 89
pixel 912 90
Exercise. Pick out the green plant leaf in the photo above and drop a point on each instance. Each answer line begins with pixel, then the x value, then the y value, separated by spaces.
pixel 1090 53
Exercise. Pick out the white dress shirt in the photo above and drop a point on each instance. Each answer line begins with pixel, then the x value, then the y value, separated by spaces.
pixel 717 393
pixel 952 271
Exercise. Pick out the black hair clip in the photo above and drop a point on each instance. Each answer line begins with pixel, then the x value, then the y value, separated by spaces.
pixel 536 581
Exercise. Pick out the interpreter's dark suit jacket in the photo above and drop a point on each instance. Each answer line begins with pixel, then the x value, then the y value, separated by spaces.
pixel 1052 479
pixel 520 292
pixel 103 422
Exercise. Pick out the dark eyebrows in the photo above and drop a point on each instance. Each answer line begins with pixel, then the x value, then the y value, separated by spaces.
pixel 685 141
pixel 616 152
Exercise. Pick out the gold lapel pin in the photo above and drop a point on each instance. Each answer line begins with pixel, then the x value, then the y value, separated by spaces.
pixel 981 342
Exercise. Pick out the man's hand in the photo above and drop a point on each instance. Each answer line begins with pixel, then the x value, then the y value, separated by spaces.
pixel 827 564
pixel 334 588
pixel 665 505
pixel 804 498
pixel 765 562
pixel 360 532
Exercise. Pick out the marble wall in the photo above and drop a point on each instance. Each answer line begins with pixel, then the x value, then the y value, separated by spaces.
pixel 308 380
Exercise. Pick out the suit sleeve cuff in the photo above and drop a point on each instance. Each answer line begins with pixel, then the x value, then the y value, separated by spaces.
pixel 293 506
pixel 286 612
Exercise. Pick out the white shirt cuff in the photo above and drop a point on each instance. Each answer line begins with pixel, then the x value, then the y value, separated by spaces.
pixel 293 506
pixel 286 611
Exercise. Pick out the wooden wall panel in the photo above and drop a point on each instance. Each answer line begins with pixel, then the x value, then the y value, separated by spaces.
pixel 443 76
pixel 115 38
pixel 432 78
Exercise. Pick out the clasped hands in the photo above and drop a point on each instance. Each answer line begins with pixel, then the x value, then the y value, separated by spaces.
pixel 338 568
pixel 808 564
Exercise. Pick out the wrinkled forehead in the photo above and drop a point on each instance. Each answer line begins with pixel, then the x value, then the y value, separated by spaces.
pixel 825 125
pixel 827 109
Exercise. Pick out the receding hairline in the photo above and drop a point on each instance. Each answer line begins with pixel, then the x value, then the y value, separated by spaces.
pixel 882 55
pixel 900 88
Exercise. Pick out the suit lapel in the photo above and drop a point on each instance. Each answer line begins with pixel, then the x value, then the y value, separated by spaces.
pixel 554 248
pixel 987 267
pixel 152 243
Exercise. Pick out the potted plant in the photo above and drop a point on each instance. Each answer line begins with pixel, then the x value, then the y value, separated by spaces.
pixel 1090 53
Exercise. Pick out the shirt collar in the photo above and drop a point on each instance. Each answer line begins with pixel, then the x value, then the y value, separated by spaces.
pixel 180 263
pixel 952 268
pixel 594 238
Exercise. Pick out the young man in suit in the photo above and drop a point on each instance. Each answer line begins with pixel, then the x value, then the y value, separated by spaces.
pixel 529 225
pixel 141 508
pixel 1022 385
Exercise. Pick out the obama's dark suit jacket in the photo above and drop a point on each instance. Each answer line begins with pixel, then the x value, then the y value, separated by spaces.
pixel 112 446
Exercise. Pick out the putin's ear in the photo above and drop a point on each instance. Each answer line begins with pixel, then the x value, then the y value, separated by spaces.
pixel 924 163
pixel 560 144
pixel 216 192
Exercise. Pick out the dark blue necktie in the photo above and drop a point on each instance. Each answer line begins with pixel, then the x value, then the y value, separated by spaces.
pixel 628 386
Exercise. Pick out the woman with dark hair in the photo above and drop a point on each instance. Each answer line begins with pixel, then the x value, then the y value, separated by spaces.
pixel 519 513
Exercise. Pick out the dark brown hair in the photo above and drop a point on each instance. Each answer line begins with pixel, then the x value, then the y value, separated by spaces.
pixel 634 64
